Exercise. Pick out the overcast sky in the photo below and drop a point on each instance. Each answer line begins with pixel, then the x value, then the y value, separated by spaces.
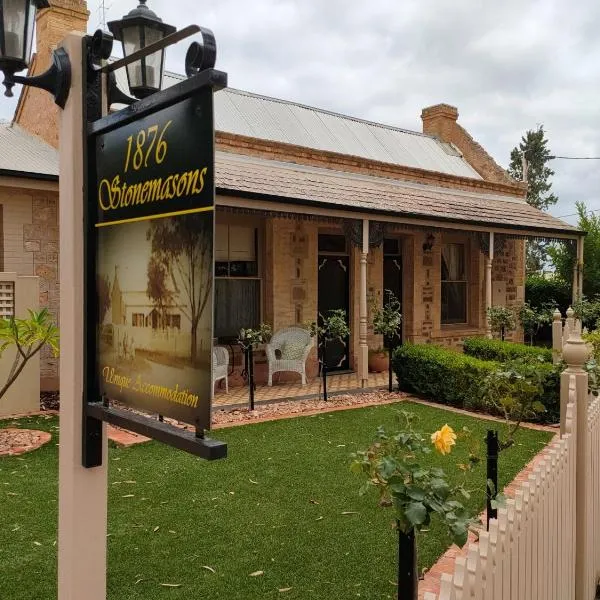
pixel 507 65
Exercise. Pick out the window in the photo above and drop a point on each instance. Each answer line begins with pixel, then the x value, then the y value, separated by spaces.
pixel 173 321
pixel 333 243
pixel 454 284
pixel 237 281
pixel 137 319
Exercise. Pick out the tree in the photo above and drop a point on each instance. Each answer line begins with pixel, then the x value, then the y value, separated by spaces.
pixel 157 288
pixel 29 336
pixel 104 299
pixel 563 255
pixel 183 246
pixel 534 147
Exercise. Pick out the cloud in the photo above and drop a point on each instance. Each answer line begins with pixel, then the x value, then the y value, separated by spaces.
pixel 507 65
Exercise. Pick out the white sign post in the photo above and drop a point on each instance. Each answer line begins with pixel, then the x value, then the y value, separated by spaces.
pixel 82 493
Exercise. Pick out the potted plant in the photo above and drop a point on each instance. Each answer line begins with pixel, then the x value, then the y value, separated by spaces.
pixel 387 321
pixel 248 340
pixel 392 465
pixel 333 327
pixel 379 360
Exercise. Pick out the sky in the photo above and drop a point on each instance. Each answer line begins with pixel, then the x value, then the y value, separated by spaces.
pixel 508 66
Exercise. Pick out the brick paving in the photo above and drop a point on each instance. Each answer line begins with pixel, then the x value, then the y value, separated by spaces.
pixel 347 382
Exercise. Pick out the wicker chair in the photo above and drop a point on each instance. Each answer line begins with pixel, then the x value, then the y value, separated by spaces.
pixel 288 351
pixel 220 365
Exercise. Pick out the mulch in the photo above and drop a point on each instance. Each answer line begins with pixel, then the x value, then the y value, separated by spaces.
pixel 288 408
pixel 19 441
pixel 49 401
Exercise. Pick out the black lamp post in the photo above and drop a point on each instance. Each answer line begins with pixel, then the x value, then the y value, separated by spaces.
pixel 136 30
pixel 17 21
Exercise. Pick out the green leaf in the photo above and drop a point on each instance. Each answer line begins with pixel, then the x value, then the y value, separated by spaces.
pixel 416 513
pixel 415 492
pixel 440 488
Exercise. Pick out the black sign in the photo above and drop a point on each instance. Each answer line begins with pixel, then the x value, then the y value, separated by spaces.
pixel 150 256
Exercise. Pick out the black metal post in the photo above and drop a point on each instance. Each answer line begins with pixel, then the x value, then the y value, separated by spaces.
pixel 502 333
pixel 491 474
pixel 324 370
pixel 408 585
pixel 392 347
pixel 250 366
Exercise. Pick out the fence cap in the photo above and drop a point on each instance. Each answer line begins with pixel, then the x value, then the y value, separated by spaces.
pixel 575 351
pixel 556 316
pixel 570 312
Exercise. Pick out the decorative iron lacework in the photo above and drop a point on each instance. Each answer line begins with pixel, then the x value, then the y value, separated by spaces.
pixel 383 228
pixel 353 231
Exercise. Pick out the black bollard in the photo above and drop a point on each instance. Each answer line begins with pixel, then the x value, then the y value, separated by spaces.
pixel 491 441
pixel 408 584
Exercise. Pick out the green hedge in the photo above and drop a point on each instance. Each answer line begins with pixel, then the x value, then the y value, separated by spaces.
pixel 500 351
pixel 449 377
pixel 540 290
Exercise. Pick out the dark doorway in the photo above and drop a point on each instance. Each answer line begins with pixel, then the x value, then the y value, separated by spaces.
pixel 392 273
pixel 334 279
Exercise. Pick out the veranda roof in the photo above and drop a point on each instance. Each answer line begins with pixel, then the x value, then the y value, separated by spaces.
pixel 257 178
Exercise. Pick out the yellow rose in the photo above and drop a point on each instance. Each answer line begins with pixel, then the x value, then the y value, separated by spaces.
pixel 444 439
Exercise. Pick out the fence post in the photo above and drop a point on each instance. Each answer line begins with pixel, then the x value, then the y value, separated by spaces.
pixel 557 341
pixel 575 354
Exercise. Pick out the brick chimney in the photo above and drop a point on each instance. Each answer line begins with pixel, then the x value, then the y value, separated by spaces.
pixel 440 121
pixel 36 110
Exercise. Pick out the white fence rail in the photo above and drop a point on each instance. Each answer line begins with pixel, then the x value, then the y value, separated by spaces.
pixel 545 544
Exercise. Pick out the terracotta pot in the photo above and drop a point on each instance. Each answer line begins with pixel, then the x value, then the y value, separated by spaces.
pixel 378 362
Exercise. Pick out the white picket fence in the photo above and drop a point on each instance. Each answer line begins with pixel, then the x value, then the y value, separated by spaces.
pixel 545 544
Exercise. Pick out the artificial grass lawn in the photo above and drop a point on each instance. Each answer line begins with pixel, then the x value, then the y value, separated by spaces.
pixel 276 505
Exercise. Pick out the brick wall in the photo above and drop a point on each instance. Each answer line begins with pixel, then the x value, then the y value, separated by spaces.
pixel 509 268
pixel 36 110
pixel 441 121
pixel 291 275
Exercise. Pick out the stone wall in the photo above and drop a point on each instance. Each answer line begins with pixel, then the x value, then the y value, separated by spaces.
pixel 30 225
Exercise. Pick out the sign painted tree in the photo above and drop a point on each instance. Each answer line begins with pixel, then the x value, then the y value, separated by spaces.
pixel 183 246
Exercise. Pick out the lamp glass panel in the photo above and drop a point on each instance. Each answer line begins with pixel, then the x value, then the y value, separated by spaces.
pixel 30 28
pixel 14 13
pixel 154 60
pixel 132 43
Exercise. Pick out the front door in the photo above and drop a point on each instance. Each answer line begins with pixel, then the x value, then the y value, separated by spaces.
pixel 392 273
pixel 334 279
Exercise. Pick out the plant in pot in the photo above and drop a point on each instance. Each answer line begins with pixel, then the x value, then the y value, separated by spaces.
pixel 379 360
pixel 387 321
pixel 248 340
pixel 332 328
pixel 392 465
pixel 501 320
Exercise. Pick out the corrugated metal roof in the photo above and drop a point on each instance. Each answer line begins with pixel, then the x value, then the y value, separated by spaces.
pixel 262 178
pixel 26 153
pixel 262 117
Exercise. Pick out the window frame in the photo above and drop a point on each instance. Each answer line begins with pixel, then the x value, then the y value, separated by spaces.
pixel 257 227
pixel 465 282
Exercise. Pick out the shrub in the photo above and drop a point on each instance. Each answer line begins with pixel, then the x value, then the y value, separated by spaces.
pixel 540 290
pixel 487 349
pixel 501 319
pixel 448 377
pixel 442 375
pixel 534 319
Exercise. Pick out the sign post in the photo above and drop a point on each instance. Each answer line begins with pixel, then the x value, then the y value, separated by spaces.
pixel 144 226
pixel 82 493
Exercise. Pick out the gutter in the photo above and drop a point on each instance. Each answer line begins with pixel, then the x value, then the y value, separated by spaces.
pixel 314 203
pixel 28 175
